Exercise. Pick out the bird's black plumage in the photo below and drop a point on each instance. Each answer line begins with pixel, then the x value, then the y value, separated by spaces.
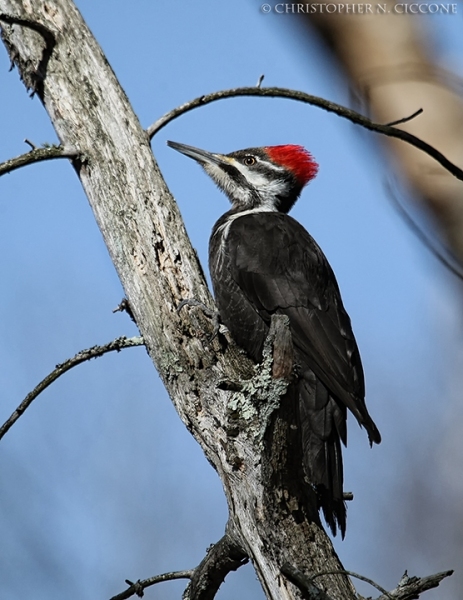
pixel 265 263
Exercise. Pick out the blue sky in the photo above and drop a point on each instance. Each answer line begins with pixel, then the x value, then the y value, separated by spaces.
pixel 100 480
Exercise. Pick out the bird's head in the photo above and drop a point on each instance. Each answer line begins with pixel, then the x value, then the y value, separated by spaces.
pixel 268 178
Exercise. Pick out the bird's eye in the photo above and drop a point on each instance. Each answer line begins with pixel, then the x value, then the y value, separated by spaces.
pixel 249 161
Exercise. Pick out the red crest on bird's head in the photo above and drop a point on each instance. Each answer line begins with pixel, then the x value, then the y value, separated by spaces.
pixel 295 158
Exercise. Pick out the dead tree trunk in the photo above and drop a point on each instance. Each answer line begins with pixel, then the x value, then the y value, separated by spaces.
pixel 270 522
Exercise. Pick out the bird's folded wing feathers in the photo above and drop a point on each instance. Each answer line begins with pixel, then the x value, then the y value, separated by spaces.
pixel 306 290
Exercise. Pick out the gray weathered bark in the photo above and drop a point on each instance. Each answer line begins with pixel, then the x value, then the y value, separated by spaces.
pixel 141 225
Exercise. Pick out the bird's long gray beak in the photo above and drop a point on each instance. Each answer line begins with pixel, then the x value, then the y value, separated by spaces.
pixel 201 156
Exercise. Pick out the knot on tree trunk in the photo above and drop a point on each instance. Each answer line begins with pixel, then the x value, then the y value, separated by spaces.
pixel 254 400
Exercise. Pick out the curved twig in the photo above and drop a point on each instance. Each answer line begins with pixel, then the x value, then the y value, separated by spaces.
pixel 405 119
pixel 357 576
pixel 338 109
pixel 116 345
pixel 138 587
pixel 36 155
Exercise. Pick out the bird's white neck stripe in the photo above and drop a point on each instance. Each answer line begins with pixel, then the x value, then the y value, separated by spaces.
pixel 224 229
pixel 258 209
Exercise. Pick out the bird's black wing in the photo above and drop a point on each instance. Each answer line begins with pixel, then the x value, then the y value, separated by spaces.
pixel 280 269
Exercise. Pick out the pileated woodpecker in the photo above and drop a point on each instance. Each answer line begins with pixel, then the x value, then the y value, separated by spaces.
pixel 263 262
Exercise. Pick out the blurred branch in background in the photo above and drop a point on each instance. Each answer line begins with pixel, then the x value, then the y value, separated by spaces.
pixel 387 58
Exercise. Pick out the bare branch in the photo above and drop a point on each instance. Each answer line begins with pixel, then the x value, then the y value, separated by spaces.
pixel 138 587
pixel 410 588
pixel 116 345
pixel 341 111
pixel 221 558
pixel 36 155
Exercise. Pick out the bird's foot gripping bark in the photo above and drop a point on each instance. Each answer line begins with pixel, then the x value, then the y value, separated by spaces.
pixel 212 314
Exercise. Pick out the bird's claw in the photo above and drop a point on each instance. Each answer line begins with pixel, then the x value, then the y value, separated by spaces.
pixel 212 314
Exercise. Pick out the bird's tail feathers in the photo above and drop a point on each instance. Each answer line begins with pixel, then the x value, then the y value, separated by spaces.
pixel 322 451
pixel 374 437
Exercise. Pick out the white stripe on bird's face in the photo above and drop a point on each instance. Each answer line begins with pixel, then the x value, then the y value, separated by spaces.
pixel 254 187
pixel 234 191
